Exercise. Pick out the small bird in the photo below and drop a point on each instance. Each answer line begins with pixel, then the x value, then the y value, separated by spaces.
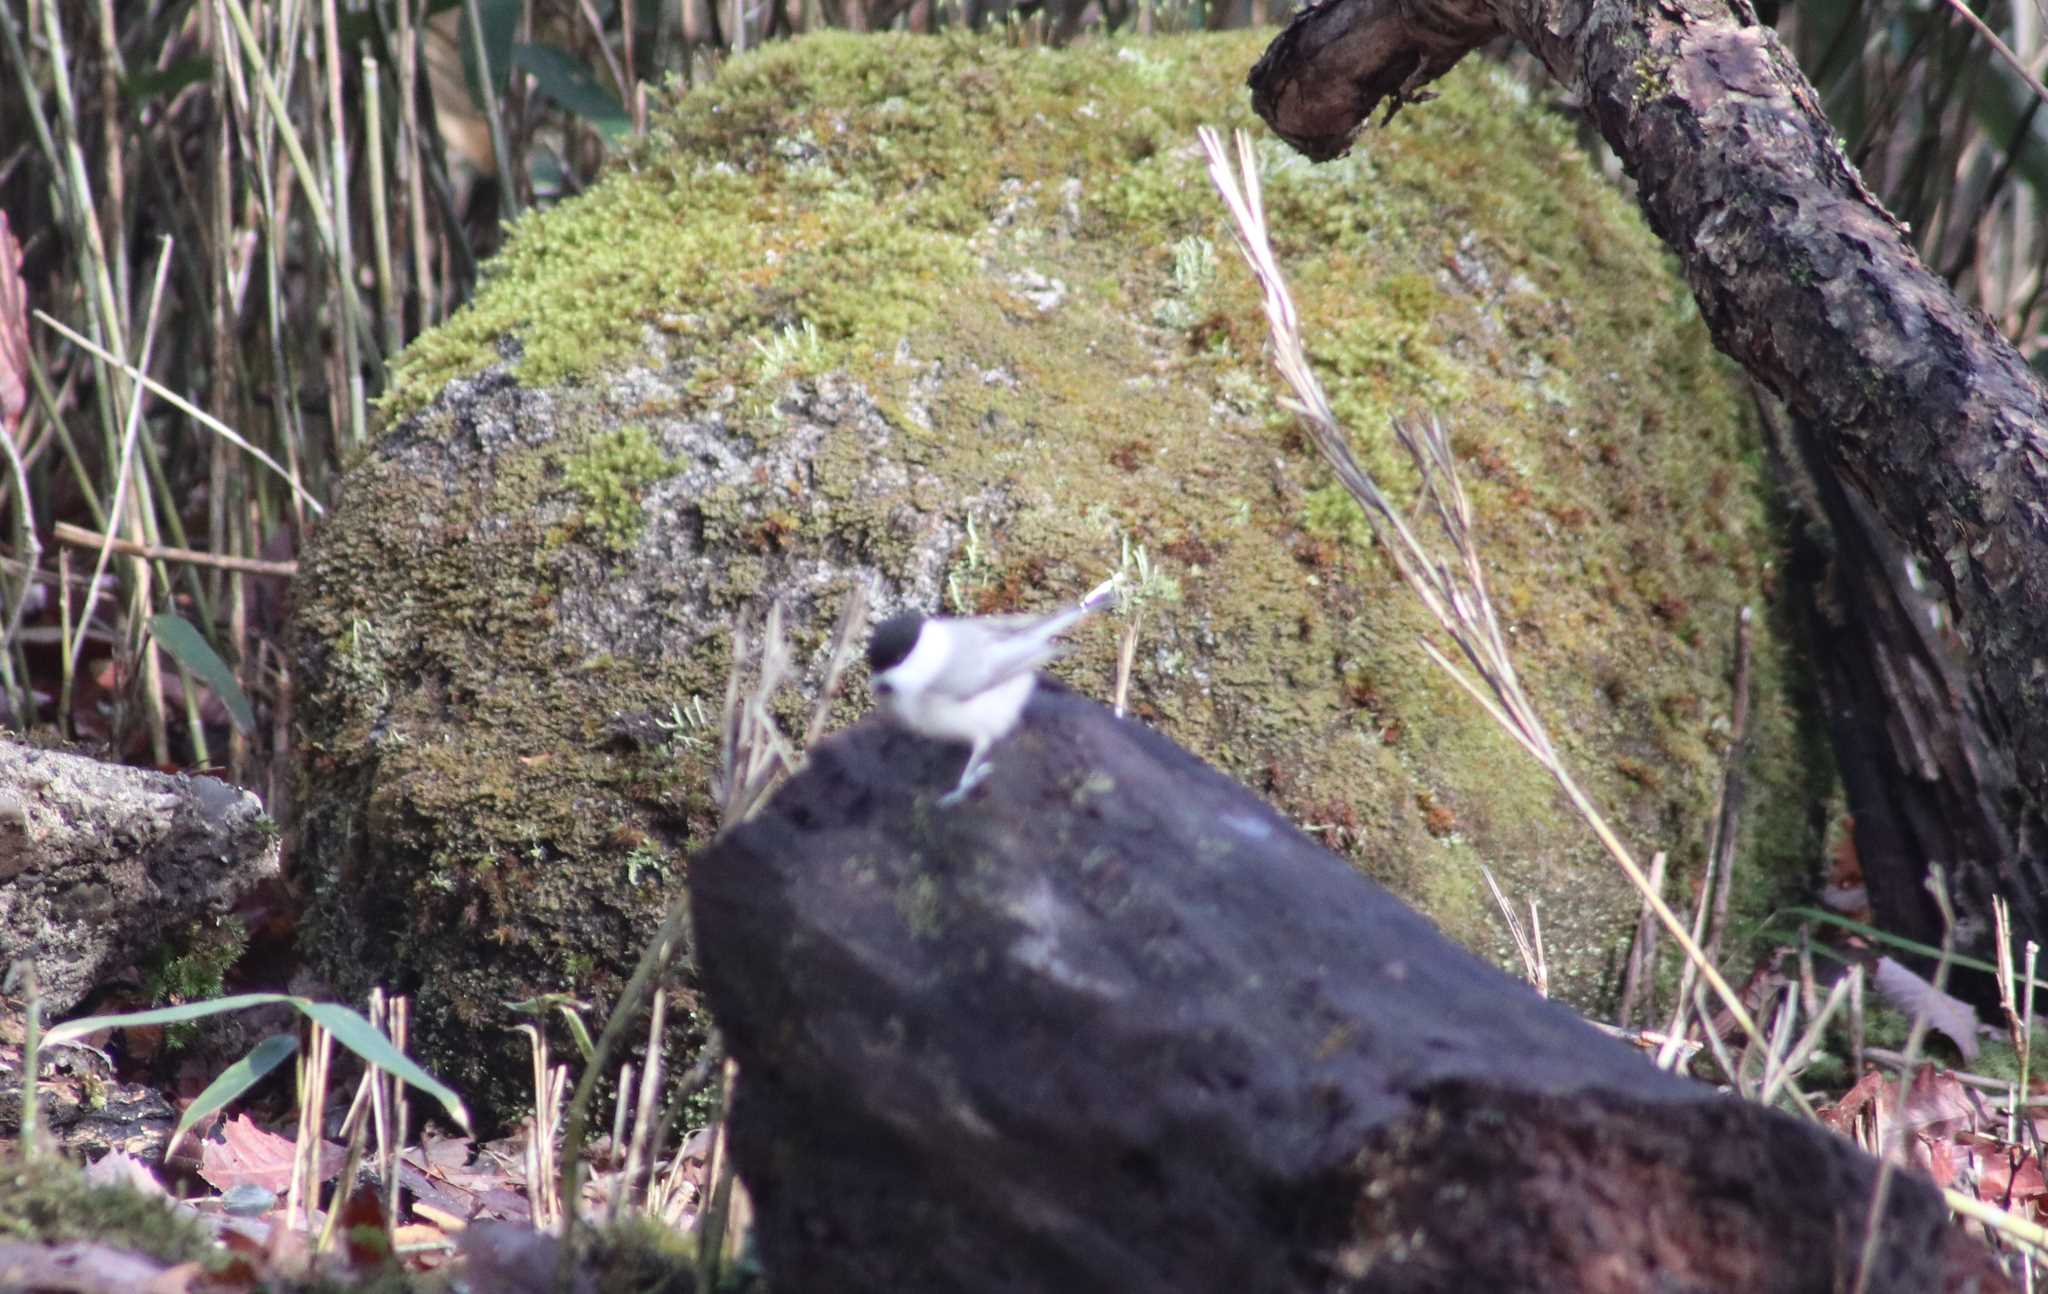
pixel 965 680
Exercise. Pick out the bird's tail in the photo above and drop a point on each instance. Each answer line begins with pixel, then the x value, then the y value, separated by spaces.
pixel 1106 594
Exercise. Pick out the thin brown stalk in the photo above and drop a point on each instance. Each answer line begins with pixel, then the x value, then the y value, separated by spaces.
pixel 1889 1157
pixel 412 160
pixel 26 545
pixel 488 82
pixel 308 176
pixel 1529 947
pixel 302 1198
pixel 1727 821
pixel 1126 659
pixel 712 1222
pixel 604 48
pixel 122 505
pixel 113 167
pixel 645 1145
pixel 378 182
pixel 541 1177
pixel 1786 1066
pixel 1642 951
pixel 1687 976
pixel 79 537
pixel 2003 50
pixel 349 356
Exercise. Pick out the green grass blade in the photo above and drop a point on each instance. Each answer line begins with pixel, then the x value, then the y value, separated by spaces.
pixel 357 1034
pixel 189 648
pixel 165 1015
pixel 237 1079
pixel 1889 939
pixel 567 81
pixel 578 1031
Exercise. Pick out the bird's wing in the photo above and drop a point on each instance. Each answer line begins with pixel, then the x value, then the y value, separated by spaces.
pixel 1003 648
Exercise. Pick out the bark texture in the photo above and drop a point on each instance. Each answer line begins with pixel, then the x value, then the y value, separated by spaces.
pixel 1916 403
pixel 1113 1024
pixel 98 862
pixel 1911 736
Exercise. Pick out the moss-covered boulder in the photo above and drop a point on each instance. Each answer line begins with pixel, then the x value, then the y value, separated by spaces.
pixel 966 320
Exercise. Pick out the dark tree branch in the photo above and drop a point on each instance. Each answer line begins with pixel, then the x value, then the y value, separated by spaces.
pixel 1915 403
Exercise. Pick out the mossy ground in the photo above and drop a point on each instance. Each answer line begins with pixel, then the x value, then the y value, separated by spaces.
pixel 913 283
pixel 47 1200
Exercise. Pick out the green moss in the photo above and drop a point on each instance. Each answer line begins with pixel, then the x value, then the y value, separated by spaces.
pixel 1329 512
pixel 190 966
pixel 608 476
pixel 641 1255
pixel 48 1201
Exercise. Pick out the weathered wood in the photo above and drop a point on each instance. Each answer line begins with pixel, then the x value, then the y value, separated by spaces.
pixel 98 862
pixel 1113 1024
pixel 1916 402
pixel 1916 749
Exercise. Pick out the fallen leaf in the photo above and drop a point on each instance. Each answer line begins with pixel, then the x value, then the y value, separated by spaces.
pixel 246 1155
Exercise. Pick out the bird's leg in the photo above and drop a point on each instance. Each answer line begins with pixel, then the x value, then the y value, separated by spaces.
pixel 970 776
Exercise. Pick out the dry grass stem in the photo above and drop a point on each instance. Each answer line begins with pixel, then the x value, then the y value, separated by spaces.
pixel 302 1198
pixel 754 755
pixel 1788 1066
pixel 1727 818
pixel 1528 941
pixel 1454 592
pixel 1642 953
pixel 121 507
pixel 79 537
pixel 645 1145
pixel 1916 1038
pixel 1688 974
pixel 184 406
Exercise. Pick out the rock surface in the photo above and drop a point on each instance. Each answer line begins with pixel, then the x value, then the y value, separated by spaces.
pixel 100 863
pixel 1113 1024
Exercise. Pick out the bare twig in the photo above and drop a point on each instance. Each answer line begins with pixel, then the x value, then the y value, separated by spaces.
pixel 79 537
pixel 1916 1037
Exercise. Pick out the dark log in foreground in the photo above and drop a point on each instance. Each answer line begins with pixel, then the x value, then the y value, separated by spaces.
pixel 1916 402
pixel 1113 1024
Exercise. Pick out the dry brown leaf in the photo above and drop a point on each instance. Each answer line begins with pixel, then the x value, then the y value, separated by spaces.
pixel 246 1155
pixel 118 1167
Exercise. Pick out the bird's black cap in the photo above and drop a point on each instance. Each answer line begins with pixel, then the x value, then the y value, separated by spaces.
pixel 893 640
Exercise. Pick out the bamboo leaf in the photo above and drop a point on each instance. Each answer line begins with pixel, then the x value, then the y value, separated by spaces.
pixel 357 1034
pixel 235 1080
pixel 189 648
pixel 569 82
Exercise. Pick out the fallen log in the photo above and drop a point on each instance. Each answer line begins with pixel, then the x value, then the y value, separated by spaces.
pixel 1114 1024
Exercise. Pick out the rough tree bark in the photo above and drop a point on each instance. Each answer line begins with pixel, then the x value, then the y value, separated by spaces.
pixel 1113 1024
pixel 1916 403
